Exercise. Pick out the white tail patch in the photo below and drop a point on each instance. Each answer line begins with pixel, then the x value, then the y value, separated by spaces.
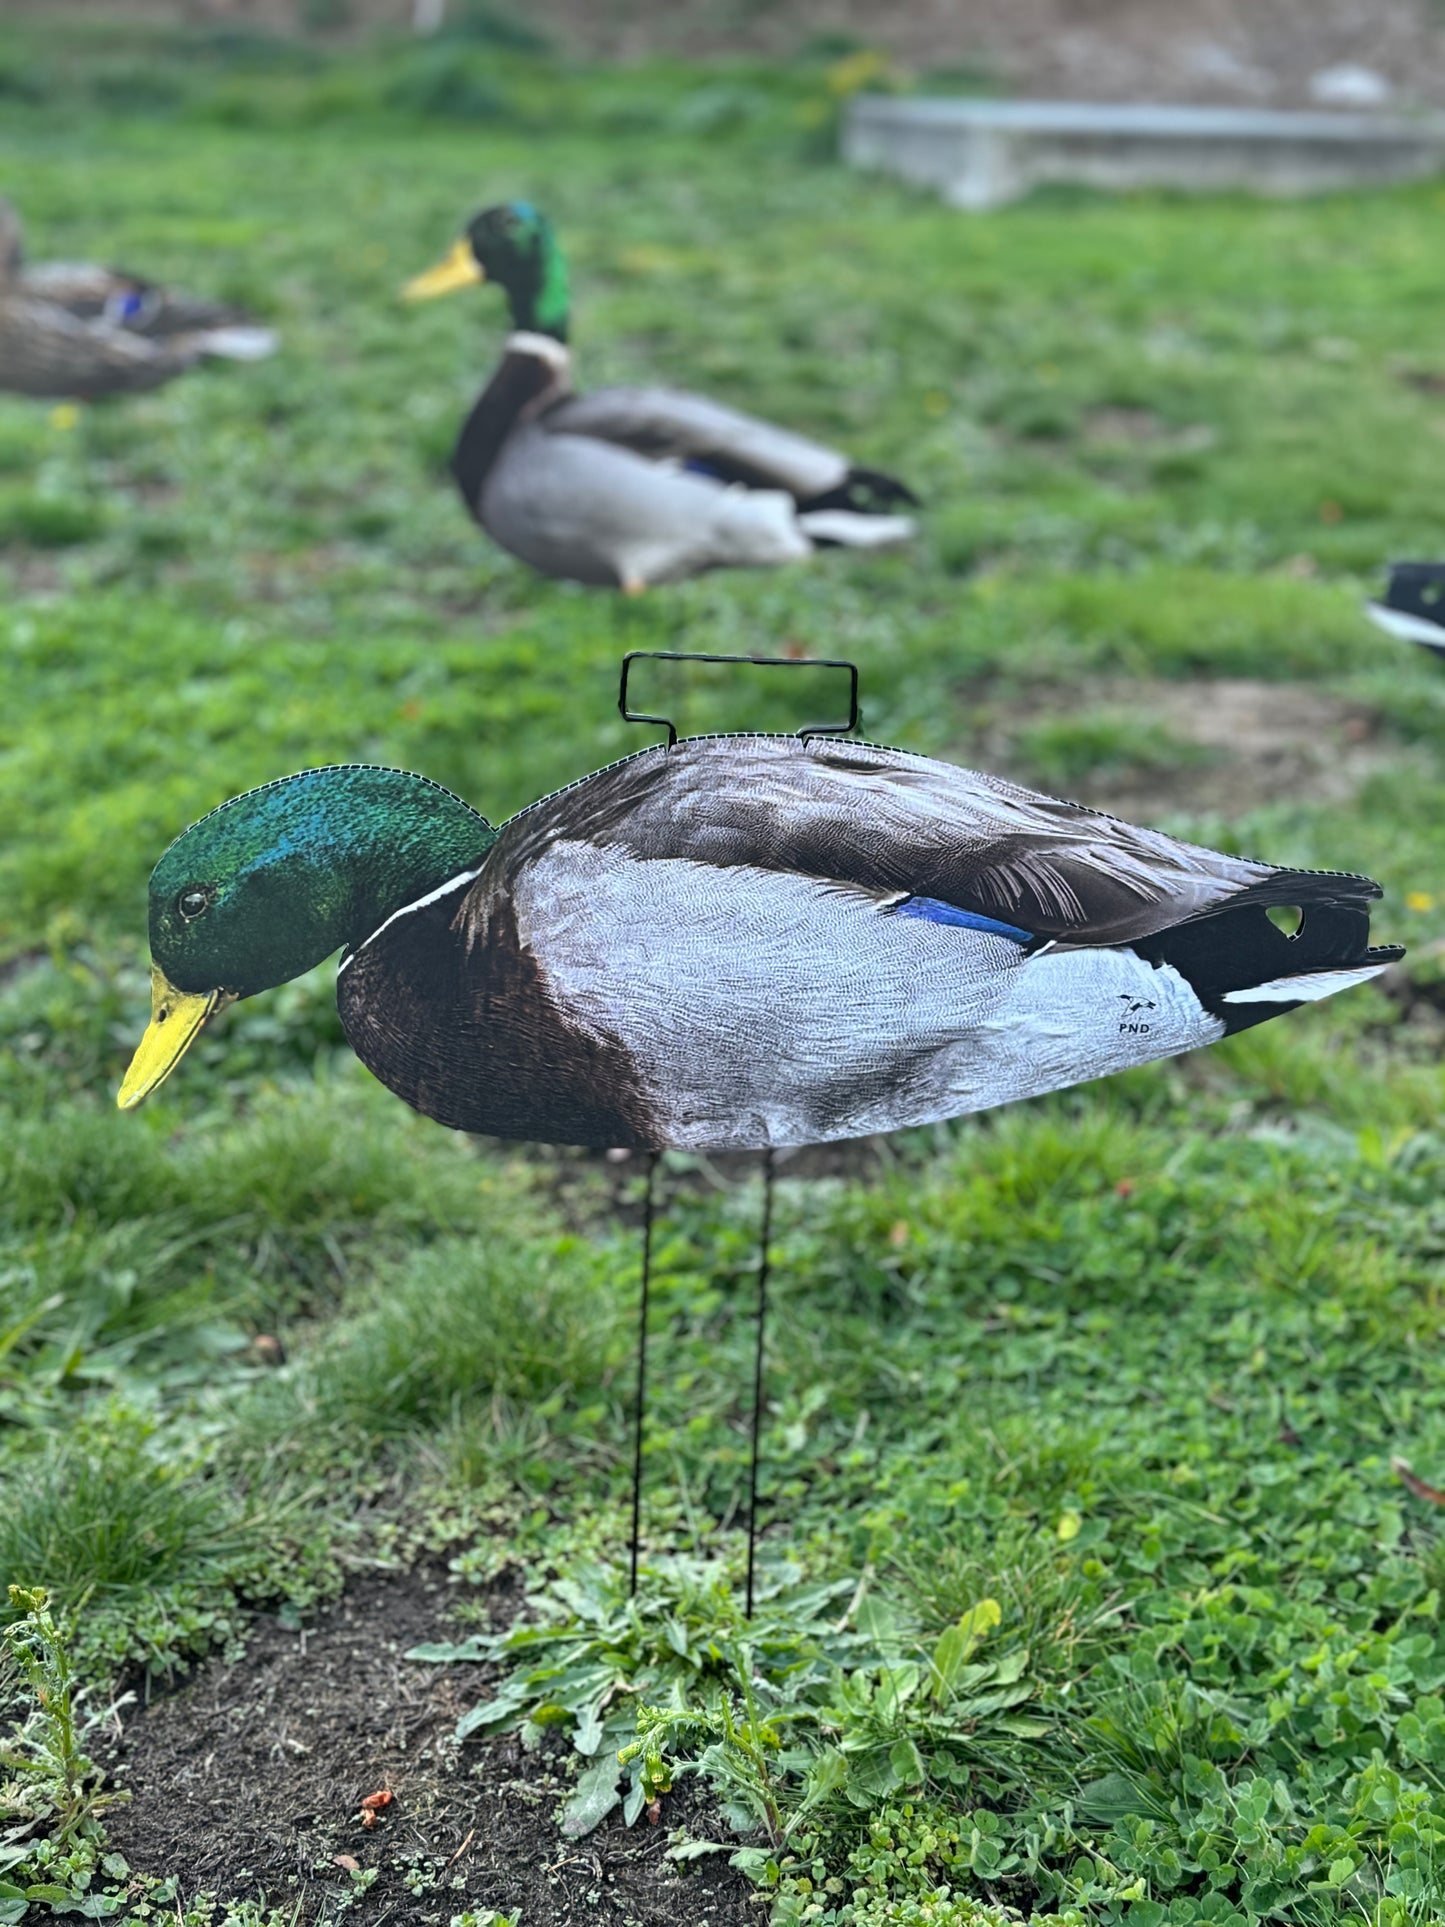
pixel 752 525
pixel 239 344
pixel 1307 988
pixel 1408 628
pixel 853 531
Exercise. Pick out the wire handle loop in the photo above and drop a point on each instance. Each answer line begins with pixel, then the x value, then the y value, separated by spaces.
pixel 759 662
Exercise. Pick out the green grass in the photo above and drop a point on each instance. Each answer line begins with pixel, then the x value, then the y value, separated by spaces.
pixel 1063 750
pixel 1131 1363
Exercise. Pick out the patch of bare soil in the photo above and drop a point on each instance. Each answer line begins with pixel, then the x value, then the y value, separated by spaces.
pixel 249 1783
pixel 30 573
pixel 593 1190
pixel 1250 743
pixel 1425 381
pixel 1123 425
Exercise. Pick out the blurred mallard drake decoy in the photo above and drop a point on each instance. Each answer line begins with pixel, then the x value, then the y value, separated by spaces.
pixel 624 487
pixel 1414 604
pixel 71 331
pixel 737 942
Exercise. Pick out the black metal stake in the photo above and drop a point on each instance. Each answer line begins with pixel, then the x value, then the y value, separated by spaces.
pixel 843 728
pixel 638 1414
pixel 758 1372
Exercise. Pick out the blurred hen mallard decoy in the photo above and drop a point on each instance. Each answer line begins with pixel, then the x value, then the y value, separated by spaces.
pixel 736 943
pixel 71 331
pixel 624 487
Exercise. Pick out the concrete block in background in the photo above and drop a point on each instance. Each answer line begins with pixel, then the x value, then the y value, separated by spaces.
pixel 982 153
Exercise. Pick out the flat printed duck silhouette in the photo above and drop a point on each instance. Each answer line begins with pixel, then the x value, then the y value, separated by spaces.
pixel 735 943
pixel 732 943
pixel 76 331
pixel 624 487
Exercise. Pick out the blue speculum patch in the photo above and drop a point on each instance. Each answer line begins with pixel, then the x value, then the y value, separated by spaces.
pixel 932 911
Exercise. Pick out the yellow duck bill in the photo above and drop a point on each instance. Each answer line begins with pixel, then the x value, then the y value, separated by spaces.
pixel 177 1019
pixel 460 269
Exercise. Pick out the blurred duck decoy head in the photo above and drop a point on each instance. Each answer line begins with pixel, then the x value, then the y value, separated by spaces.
pixel 513 245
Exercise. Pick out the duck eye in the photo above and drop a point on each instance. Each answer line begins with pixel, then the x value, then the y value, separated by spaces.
pixel 192 903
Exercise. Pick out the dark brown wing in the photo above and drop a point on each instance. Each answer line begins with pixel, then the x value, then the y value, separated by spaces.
pixel 670 424
pixel 46 351
pixel 129 301
pixel 884 820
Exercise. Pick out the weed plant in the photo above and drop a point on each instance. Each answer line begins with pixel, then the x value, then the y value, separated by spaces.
pixel 51 1800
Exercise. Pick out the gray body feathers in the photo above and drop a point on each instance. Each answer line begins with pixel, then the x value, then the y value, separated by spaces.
pixel 631 486
pixel 748 941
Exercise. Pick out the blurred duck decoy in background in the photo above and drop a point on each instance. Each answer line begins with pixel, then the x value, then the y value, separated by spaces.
pixel 624 487
pixel 1414 604
pixel 71 331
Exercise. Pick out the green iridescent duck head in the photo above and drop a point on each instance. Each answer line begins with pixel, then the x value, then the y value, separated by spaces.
pixel 277 879
pixel 514 245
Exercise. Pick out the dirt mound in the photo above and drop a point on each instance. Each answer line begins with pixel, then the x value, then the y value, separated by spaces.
pixel 1243 743
pixel 249 1783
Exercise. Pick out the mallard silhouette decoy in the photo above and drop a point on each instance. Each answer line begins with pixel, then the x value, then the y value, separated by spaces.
pixel 739 942
pixel 732 943
pixel 71 331
pixel 625 487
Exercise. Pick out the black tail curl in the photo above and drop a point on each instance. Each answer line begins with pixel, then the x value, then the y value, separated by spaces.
pixel 866 491
pixel 1240 946
pixel 1418 589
